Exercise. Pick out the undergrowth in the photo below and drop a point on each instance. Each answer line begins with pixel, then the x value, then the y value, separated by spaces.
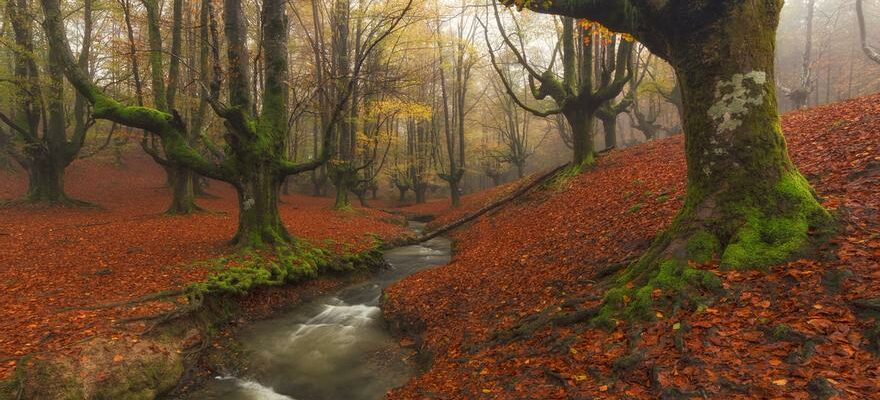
pixel 240 273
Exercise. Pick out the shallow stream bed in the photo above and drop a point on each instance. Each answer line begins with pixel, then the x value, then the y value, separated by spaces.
pixel 335 347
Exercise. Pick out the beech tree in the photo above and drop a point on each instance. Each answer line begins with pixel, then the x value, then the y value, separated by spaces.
pixel 37 134
pixel 454 86
pixel 644 120
pixel 180 178
pixel 800 94
pixel 746 202
pixel 513 126
pixel 590 79
pixel 256 162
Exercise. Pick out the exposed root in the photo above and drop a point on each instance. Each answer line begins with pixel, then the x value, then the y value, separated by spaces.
pixel 533 323
pixel 870 308
pixel 143 299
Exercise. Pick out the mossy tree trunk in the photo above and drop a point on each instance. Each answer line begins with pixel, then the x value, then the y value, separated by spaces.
pixel 256 164
pixel 342 170
pixel 183 193
pixel 259 221
pixel 743 191
pixel 39 140
pixel 747 205
pixel 179 177
pixel 45 181
pixel 580 120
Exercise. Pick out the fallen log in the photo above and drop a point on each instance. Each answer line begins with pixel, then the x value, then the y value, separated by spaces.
pixel 504 200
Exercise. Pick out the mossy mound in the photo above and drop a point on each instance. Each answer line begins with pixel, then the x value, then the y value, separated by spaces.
pixel 283 265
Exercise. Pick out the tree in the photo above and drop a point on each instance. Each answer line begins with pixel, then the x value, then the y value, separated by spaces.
pixel 180 178
pixel 869 50
pixel 38 129
pixel 800 94
pixel 746 202
pixel 453 99
pixel 646 122
pixel 512 125
pixel 590 79
pixel 608 114
pixel 256 161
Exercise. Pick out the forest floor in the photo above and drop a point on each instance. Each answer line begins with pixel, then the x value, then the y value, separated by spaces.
pixel 60 267
pixel 791 332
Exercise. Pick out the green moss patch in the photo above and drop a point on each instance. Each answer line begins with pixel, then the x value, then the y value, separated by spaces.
pixel 770 237
pixel 672 284
pixel 301 261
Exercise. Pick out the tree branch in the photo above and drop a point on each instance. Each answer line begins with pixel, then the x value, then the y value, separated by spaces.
pixel 869 50
pixel 507 87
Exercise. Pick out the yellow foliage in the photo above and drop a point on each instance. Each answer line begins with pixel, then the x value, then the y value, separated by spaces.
pixel 602 32
pixel 401 108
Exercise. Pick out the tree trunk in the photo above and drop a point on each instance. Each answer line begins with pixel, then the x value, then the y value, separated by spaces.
pixel 362 198
pixel 581 122
pixel 45 181
pixel 182 192
pixel 259 222
pixel 420 193
pixel 609 125
pixel 746 202
pixel 454 194
pixel 342 202
pixel 319 180
pixel 343 177
pixel 402 197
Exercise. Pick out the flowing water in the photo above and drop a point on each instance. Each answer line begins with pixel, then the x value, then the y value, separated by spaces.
pixel 333 348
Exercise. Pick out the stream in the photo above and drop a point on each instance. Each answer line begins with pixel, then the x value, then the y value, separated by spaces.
pixel 335 347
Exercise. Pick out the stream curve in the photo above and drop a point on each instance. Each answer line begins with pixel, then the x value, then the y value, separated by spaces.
pixel 334 347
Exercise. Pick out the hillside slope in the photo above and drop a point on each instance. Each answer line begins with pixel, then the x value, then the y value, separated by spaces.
pixel 793 332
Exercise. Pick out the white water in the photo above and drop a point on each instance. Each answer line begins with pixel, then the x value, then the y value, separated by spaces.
pixel 254 391
pixel 334 348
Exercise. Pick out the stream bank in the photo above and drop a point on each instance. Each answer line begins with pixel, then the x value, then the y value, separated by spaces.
pixel 335 346
pixel 169 355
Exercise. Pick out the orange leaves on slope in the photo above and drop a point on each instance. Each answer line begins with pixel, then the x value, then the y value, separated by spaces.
pixel 770 337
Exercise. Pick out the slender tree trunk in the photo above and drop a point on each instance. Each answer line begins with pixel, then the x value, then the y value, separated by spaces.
pixel 420 190
pixel 520 170
pixel 454 193
pixel 609 125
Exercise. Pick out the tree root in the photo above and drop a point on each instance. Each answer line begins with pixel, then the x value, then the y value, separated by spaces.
pixel 869 308
pixel 535 322
pixel 143 299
